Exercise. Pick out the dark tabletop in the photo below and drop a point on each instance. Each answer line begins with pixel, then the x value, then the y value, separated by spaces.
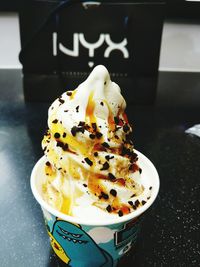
pixel 171 227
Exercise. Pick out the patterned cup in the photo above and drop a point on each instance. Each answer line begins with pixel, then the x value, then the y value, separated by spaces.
pixel 81 243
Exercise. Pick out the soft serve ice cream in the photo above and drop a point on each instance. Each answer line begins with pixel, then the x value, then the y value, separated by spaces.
pixel 91 167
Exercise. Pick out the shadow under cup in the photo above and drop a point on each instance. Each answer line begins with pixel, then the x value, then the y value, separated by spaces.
pixel 81 243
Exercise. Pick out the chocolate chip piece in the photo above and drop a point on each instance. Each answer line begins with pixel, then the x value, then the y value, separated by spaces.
pixel 69 93
pixel 120 213
pixel 105 166
pixel 96 154
pixel 65 147
pixel 111 176
pixel 81 123
pixel 55 121
pixel 88 161
pixel 94 126
pixel 108 208
pixel 77 109
pixel 74 130
pixel 113 192
pixel 48 163
pixel 61 100
pixel 126 128
pixel 98 135
pixel 106 145
pixel 59 144
pixel 130 203
pixel 107 157
pixel 92 136
pixel 116 119
pixel 104 195
pixel 137 203
pixel 57 135
pixel 143 202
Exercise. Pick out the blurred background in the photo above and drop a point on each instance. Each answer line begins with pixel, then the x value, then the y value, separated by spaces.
pixel 178 42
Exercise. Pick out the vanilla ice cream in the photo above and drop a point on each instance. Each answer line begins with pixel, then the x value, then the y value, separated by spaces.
pixel 91 166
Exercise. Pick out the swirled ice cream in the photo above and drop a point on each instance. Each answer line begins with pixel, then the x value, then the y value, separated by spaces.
pixel 91 165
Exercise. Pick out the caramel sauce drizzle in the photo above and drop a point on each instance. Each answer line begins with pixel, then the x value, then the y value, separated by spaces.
pixel 90 118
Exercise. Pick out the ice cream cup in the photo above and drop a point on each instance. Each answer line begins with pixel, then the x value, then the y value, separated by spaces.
pixel 93 243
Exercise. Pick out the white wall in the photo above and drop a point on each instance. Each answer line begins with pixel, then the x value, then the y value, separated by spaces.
pixel 180 48
pixel 9 40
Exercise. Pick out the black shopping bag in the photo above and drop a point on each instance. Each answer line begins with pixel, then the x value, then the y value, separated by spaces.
pixel 63 41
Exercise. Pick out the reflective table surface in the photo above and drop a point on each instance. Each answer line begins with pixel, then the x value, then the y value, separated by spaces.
pixel 170 229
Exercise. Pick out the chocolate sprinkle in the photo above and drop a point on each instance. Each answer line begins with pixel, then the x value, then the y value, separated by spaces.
pixel 64 135
pixel 74 130
pixel 96 154
pixel 130 203
pixel 143 202
pixel 94 126
pixel 101 103
pixel 150 187
pixel 92 136
pixel 88 161
pixel 111 176
pixel 98 135
pixel 113 192
pixel 77 109
pixel 69 93
pixel 57 135
pixel 126 128
pixel 66 110
pixel 106 145
pixel 81 123
pixel 120 213
pixel 108 208
pixel 60 144
pixel 55 121
pixel 61 100
pixel 104 195
pixel 116 119
pixel 65 147
pixel 84 185
pixel 105 166
pixel 140 170
pixel 48 163
pixel 109 157
pixel 137 203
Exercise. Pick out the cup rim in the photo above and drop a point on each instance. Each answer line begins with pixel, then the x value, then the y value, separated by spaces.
pixel 117 220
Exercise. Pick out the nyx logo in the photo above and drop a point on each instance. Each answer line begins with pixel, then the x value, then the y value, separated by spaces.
pixel 78 38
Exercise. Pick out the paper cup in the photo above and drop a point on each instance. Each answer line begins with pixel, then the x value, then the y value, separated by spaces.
pixel 87 243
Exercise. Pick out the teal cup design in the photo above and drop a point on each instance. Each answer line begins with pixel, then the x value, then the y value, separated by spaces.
pixel 92 243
